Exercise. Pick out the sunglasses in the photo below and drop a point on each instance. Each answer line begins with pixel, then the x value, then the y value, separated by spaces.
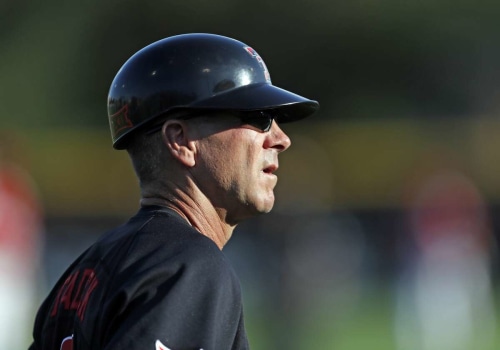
pixel 262 120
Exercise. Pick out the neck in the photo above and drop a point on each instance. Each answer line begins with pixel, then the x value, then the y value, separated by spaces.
pixel 197 210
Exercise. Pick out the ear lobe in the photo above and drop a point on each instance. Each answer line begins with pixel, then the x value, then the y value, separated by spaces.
pixel 178 143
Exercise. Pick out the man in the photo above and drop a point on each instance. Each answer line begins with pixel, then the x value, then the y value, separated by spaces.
pixel 199 118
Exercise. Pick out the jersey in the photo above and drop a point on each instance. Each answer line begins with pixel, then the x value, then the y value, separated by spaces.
pixel 153 283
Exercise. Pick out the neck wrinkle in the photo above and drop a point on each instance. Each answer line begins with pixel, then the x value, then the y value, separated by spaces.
pixel 200 213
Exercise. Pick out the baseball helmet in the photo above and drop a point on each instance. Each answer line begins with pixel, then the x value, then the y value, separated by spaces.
pixel 198 72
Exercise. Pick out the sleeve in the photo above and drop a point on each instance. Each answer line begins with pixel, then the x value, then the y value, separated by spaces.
pixel 181 304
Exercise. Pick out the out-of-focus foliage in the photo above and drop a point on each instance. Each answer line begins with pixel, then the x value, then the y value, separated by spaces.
pixel 360 59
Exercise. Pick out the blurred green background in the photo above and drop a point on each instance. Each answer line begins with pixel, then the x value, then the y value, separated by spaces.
pixel 408 92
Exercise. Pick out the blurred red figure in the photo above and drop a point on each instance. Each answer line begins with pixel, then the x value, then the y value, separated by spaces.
pixel 20 229
pixel 445 302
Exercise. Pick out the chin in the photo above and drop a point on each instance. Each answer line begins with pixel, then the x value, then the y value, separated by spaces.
pixel 255 206
pixel 266 206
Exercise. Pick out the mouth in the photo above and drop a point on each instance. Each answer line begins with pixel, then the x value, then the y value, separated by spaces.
pixel 270 169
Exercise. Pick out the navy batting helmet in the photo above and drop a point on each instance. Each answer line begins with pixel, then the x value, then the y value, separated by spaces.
pixel 195 71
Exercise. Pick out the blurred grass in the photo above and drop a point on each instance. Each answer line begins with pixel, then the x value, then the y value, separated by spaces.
pixel 369 325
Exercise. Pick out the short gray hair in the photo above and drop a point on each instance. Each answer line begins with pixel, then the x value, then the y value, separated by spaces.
pixel 148 155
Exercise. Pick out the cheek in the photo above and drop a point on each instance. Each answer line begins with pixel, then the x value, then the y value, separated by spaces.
pixel 231 158
pixel 240 168
pixel 218 161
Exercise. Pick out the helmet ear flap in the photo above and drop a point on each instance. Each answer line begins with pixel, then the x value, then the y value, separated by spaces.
pixel 192 71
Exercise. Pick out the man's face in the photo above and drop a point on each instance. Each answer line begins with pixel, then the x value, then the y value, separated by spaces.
pixel 235 166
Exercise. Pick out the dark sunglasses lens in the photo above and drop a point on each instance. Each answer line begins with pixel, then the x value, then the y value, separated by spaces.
pixel 260 119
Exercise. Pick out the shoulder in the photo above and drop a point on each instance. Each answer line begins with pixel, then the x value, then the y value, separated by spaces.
pixel 169 238
pixel 165 248
pixel 154 233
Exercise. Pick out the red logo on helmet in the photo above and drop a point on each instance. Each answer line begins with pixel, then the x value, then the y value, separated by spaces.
pixel 120 120
pixel 67 343
pixel 254 54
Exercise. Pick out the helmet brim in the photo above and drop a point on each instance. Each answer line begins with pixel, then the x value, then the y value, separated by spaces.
pixel 290 106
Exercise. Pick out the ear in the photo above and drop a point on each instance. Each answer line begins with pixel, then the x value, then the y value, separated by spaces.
pixel 175 137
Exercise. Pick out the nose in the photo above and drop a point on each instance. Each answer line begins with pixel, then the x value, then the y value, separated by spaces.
pixel 277 138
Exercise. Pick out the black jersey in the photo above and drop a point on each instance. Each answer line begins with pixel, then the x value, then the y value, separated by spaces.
pixel 154 283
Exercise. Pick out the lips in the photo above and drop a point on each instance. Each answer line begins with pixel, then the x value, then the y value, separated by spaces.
pixel 270 169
